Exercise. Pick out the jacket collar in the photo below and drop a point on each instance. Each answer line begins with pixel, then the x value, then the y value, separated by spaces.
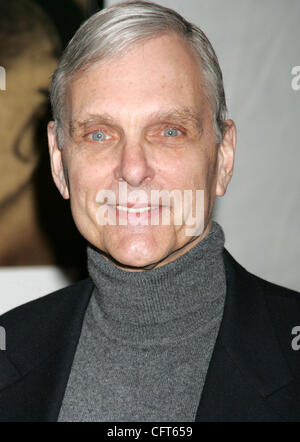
pixel 247 364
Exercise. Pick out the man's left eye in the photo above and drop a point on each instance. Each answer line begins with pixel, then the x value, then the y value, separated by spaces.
pixel 171 132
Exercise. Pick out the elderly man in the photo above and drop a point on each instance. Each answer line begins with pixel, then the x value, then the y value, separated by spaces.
pixel 168 327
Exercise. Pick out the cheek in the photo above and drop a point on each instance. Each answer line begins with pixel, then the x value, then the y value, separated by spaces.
pixel 181 172
pixel 207 162
pixel 84 180
pixel 212 168
pixel 196 172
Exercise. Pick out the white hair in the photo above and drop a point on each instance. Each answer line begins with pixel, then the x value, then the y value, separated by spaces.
pixel 114 30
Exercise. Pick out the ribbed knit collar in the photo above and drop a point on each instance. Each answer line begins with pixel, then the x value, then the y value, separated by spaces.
pixel 163 304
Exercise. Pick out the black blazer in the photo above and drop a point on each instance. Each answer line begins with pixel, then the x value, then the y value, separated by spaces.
pixel 254 373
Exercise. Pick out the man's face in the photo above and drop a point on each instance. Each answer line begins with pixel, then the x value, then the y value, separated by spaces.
pixel 142 121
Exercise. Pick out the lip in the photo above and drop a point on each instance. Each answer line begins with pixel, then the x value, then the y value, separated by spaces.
pixel 135 209
pixel 134 214
pixel 135 206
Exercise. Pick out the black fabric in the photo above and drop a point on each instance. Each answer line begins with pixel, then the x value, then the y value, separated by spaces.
pixel 254 374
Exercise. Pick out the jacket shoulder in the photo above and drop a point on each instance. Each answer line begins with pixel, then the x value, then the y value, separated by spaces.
pixel 263 302
pixel 48 305
pixel 272 289
pixel 269 288
pixel 283 304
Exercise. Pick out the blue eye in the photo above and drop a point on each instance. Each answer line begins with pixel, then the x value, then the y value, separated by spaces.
pixel 99 136
pixel 171 132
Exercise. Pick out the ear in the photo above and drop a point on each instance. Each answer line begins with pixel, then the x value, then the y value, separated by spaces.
pixel 226 152
pixel 56 160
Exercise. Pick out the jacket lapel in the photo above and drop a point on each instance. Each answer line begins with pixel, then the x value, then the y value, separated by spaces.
pixel 248 378
pixel 34 378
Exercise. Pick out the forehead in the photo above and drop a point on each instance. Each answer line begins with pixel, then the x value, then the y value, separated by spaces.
pixel 160 73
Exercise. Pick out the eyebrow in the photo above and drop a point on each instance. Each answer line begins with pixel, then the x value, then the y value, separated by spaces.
pixel 75 125
pixel 184 115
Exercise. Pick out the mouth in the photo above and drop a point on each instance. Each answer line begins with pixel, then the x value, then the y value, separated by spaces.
pixel 136 209
pixel 136 214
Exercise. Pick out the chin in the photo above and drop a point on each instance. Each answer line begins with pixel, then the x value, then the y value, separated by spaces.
pixel 137 254
pixel 135 261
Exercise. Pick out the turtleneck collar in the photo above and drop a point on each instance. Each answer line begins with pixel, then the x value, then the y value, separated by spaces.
pixel 163 304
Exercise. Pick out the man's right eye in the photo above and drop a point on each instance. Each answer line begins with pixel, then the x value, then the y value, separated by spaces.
pixel 99 135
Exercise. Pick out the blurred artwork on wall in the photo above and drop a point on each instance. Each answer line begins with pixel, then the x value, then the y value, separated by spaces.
pixel 36 227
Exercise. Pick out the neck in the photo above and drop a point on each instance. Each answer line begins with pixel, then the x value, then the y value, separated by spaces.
pixel 162 303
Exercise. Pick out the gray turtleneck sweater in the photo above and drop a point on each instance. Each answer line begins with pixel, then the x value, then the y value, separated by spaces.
pixel 147 338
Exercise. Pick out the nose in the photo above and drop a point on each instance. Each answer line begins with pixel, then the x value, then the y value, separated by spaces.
pixel 134 167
